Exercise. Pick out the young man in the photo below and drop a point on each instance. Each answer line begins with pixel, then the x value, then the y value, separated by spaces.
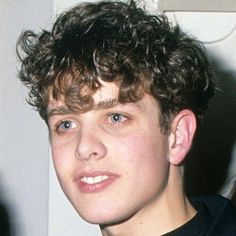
pixel 122 93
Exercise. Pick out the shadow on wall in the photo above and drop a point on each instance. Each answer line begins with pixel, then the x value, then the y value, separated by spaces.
pixel 5 229
pixel 208 162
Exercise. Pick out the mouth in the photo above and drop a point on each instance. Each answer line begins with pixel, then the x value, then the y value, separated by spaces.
pixel 93 182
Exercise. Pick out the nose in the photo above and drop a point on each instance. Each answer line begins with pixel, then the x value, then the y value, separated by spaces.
pixel 90 144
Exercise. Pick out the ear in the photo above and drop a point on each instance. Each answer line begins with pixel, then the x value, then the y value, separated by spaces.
pixel 183 128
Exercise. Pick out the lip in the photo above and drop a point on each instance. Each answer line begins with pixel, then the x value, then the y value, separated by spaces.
pixel 103 180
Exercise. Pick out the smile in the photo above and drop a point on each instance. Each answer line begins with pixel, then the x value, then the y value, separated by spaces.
pixel 94 180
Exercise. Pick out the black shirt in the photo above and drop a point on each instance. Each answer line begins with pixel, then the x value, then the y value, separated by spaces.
pixel 215 217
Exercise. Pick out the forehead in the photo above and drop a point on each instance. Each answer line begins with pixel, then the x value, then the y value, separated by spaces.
pixel 107 91
pixel 106 95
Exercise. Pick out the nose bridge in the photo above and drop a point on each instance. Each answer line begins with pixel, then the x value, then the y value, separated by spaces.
pixel 90 143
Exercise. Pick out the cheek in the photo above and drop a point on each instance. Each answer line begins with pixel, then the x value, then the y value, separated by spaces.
pixel 143 148
pixel 148 153
pixel 144 160
pixel 61 156
pixel 63 165
pixel 62 148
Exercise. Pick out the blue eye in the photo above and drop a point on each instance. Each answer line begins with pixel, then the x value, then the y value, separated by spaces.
pixel 66 125
pixel 117 118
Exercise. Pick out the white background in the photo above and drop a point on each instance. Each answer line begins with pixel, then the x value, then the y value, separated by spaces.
pixel 24 148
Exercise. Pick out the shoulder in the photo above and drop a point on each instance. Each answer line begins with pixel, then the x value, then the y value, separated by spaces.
pixel 223 215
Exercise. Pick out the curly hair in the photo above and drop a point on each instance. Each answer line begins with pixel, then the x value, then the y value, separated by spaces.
pixel 120 43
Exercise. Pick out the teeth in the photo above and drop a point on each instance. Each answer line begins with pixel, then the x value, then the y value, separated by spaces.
pixel 94 180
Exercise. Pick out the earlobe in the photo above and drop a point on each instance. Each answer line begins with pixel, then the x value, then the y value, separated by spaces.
pixel 183 128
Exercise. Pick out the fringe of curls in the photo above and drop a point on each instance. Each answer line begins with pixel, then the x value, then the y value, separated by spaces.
pixel 119 43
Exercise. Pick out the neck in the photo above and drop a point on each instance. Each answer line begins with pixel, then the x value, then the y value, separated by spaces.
pixel 168 211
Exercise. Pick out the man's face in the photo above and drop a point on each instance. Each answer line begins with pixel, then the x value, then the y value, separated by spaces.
pixel 112 161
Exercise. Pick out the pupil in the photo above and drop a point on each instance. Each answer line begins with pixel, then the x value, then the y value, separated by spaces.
pixel 116 117
pixel 67 124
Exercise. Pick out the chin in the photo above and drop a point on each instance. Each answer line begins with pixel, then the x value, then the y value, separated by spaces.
pixel 105 217
pixel 99 218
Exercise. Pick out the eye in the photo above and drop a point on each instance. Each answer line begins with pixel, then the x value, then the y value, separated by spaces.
pixel 66 125
pixel 117 118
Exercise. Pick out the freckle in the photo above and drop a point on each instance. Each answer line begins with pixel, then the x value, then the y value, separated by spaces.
pixel 141 223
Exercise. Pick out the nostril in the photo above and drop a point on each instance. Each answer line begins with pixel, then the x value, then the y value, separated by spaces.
pixel 90 142
pixel 90 146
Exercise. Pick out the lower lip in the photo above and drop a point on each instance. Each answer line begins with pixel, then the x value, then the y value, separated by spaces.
pixel 97 187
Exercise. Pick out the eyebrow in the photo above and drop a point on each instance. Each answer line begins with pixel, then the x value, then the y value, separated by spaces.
pixel 106 104
pixel 102 105
pixel 60 110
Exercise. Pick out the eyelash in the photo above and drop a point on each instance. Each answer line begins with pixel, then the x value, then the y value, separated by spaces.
pixel 60 128
pixel 117 122
pixel 112 119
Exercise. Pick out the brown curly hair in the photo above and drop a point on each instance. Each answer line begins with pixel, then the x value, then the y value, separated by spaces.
pixel 119 43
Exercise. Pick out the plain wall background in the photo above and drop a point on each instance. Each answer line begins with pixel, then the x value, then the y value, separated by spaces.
pixel 29 190
pixel 23 137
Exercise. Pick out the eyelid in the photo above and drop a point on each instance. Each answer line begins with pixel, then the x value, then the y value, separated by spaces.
pixel 124 116
pixel 59 128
